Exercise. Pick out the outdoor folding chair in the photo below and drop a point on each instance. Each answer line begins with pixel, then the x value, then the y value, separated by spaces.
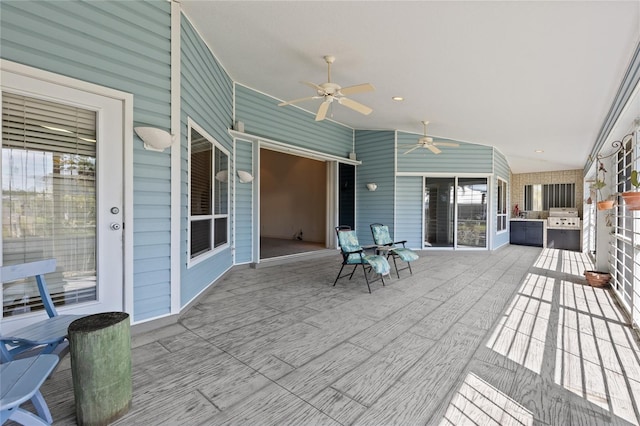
pixel 382 239
pixel 353 254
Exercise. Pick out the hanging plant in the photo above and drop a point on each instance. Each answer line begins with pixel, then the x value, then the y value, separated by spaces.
pixel 604 203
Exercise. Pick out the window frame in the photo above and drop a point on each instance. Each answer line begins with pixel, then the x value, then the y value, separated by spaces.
pixel 624 250
pixel 504 207
pixel 215 145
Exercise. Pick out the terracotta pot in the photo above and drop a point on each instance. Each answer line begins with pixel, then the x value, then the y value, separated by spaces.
pixel 597 278
pixel 605 205
pixel 632 200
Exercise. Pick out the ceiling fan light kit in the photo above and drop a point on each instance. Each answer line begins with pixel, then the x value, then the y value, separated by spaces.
pixel 330 92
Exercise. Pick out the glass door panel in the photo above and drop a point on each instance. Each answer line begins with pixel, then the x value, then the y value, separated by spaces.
pixel 439 212
pixel 471 199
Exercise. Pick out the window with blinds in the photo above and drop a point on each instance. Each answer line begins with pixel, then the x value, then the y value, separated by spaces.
pixel 208 194
pixel 543 197
pixel 624 256
pixel 48 198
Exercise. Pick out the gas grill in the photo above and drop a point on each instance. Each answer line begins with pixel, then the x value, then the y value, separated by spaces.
pixel 566 218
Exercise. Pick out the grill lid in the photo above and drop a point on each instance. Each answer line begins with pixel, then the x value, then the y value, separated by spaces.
pixel 563 212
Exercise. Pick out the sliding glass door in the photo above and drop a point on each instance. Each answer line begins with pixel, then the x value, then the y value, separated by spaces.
pixel 471 201
pixel 439 212
pixel 455 212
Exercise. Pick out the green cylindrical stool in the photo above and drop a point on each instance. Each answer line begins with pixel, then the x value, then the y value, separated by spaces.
pixel 100 347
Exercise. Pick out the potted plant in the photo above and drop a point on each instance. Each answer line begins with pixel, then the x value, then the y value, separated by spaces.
pixel 604 203
pixel 597 278
pixel 632 198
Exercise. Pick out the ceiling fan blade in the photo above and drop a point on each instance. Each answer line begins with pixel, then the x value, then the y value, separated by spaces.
pixel 433 149
pixel 322 111
pixel 446 144
pixel 414 147
pixel 357 106
pixel 358 88
pixel 313 86
pixel 308 98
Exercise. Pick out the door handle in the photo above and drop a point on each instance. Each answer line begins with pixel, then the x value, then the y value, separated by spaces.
pixel 115 226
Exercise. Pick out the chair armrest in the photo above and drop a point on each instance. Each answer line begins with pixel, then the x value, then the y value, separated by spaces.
pixel 353 252
pixel 400 242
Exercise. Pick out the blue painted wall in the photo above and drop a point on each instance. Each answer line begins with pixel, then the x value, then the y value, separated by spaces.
pixel 501 170
pixel 409 210
pixel 452 161
pixel 262 116
pixel 125 46
pixel 244 204
pixel 207 98
pixel 466 158
pixel 376 150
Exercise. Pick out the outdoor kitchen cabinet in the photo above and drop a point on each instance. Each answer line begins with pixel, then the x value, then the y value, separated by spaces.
pixel 527 232
pixel 565 239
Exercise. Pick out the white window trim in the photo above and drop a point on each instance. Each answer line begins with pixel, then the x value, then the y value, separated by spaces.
pixel 214 250
pixel 505 197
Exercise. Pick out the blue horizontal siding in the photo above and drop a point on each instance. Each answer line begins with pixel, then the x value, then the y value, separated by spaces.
pixel 207 98
pixel 501 170
pixel 409 210
pixel 375 150
pixel 501 166
pixel 244 204
pixel 466 158
pixel 120 45
pixel 262 116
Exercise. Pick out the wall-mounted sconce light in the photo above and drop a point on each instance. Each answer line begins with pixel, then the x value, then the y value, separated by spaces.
pixel 245 177
pixel 222 176
pixel 154 139
pixel 372 186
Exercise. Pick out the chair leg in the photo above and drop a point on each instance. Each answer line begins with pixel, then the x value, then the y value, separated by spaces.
pixel 338 277
pixel 25 417
pixel 396 266
pixel 41 407
pixel 409 264
pixel 365 277
pixel 353 272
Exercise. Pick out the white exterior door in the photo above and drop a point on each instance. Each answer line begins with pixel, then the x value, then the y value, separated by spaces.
pixel 62 195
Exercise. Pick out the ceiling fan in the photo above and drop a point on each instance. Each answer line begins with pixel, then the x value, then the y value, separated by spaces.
pixel 427 142
pixel 330 92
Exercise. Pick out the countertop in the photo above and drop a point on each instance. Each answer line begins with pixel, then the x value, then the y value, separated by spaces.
pixel 527 220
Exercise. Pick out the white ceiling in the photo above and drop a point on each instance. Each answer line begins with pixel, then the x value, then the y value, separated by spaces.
pixel 517 75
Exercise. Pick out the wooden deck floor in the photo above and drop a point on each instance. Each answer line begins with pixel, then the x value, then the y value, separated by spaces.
pixel 513 337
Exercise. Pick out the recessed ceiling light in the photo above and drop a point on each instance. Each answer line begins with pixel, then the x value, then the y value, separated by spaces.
pixel 398 98
pixel 539 151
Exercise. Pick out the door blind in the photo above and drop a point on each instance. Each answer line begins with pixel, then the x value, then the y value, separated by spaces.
pixel 48 198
